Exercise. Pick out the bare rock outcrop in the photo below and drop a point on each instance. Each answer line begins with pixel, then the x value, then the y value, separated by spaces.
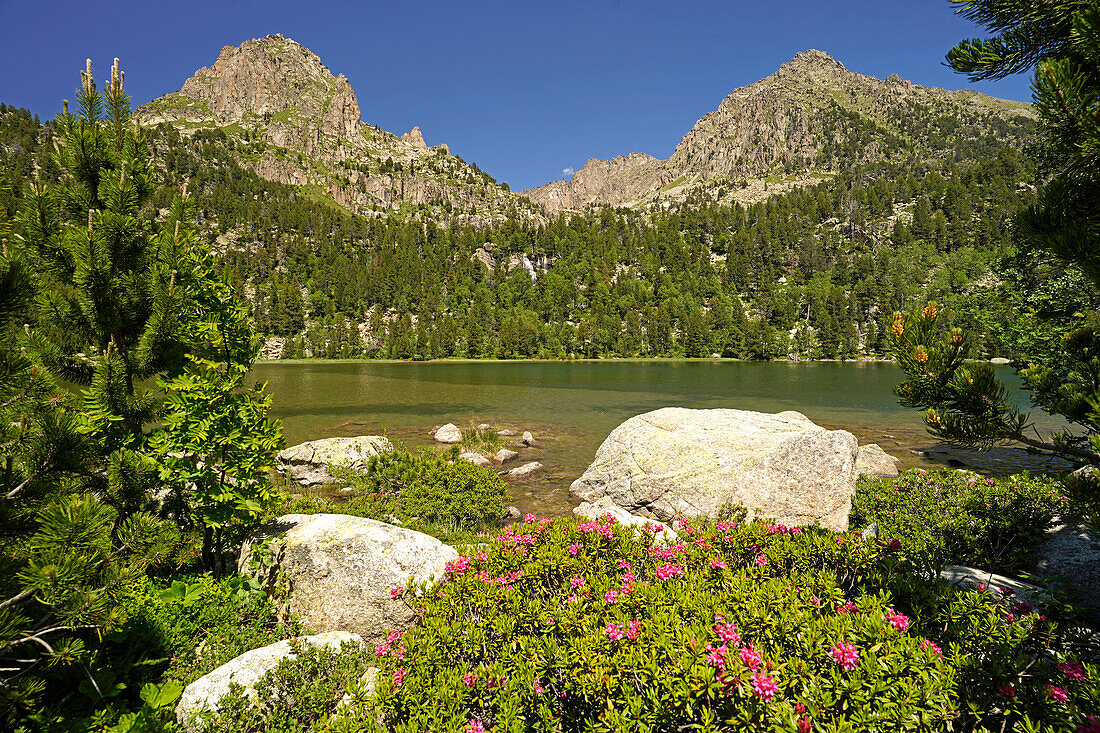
pixel 307 462
pixel 679 462
pixel 340 569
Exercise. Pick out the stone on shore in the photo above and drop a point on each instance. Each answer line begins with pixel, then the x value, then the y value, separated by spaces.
pixel 680 462
pixel 593 511
pixel 504 455
pixel 340 569
pixel 449 433
pixel 528 439
pixel 873 461
pixel 476 458
pixel 306 463
pixel 246 670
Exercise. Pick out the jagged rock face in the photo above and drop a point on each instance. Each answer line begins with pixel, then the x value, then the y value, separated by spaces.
pixel 783 123
pixel 311 123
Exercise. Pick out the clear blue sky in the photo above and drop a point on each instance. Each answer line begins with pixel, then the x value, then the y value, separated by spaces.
pixel 524 89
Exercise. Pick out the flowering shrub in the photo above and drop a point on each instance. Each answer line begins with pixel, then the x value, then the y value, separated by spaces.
pixel 567 626
pixel 946 517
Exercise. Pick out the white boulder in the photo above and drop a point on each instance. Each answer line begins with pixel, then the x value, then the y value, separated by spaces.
pixel 306 463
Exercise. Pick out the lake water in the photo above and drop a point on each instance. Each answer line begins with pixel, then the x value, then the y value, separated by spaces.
pixel 570 407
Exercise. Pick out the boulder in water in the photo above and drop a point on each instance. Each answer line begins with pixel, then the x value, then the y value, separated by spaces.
pixel 449 433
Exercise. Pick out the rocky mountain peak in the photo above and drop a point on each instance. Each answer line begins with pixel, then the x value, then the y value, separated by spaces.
pixel 273 80
pixel 813 57
pixel 414 138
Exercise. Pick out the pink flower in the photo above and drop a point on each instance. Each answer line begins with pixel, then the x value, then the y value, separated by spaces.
pixel 750 657
pixel 1057 693
pixel 728 633
pixel 475 726
pixel 763 686
pixel 399 676
pixel 928 644
pixel 396 591
pixel 716 656
pixel 665 572
pixel 849 607
pixel 611 596
pixel 1008 690
pixel 846 655
pixel 629 577
pixel 898 620
pixel 539 689
pixel 529 518
pixel 633 629
pixel 1091 725
pixel 469 679
pixel 1073 670
pixel 614 631
pixel 571 599
pixel 721 564
pixel 576 581
pixel 761 560
pixel 574 548
pixel 382 650
pixel 624 565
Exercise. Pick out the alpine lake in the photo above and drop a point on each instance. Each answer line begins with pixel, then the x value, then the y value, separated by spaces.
pixel 570 407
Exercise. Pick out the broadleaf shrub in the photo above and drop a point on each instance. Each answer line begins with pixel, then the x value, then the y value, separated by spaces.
pixel 591 627
pixel 951 517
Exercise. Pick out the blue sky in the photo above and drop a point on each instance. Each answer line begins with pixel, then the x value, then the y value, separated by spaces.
pixel 524 89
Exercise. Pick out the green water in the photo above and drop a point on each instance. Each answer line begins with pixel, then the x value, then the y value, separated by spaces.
pixel 570 407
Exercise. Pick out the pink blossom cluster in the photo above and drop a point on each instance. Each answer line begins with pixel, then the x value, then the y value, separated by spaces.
pixel 575 548
pixel 760 559
pixel 577 581
pixel 1057 693
pixel 849 607
pixel 929 644
pixel 727 632
pixel 846 655
pixel 1073 670
pixel 399 676
pixel 604 530
pixel 718 564
pixel 386 646
pixel 660 552
pixel 898 620
pixel 469 679
pixel 475 726
pixel 763 686
pixel 783 529
pixel 459 566
pixel 671 570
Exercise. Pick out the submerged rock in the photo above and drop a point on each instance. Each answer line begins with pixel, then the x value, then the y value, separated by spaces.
pixel 340 570
pixel 873 461
pixel 246 670
pixel 680 462
pixel 306 462
pixel 524 471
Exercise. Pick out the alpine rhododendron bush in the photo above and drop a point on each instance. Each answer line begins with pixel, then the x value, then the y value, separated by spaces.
pixel 592 626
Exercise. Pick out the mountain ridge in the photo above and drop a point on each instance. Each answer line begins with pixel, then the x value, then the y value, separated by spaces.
pixel 778 124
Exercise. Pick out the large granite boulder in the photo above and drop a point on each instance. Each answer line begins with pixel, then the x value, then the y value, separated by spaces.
pixel 339 570
pixel 873 461
pixel 306 462
pixel 680 462
pixel 246 670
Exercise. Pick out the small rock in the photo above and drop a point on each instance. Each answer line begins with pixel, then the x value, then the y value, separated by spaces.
pixel 449 433
pixel 433 430
pixel 873 461
pixel 504 455
pixel 528 439
pixel 484 427
pixel 246 670
pixel 476 458
pixel 506 433
pixel 346 490
pixel 527 469
pixel 512 513
pixel 1000 361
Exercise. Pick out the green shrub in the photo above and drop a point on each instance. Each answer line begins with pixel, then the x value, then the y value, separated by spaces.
pixel 480 441
pixel 298 693
pixel 426 487
pixel 950 517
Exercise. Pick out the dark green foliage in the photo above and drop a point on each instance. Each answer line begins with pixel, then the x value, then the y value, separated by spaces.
pixel 953 518
pixel 431 488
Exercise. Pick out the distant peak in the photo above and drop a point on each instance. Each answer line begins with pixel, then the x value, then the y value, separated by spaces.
pixel 813 56
pixel 415 138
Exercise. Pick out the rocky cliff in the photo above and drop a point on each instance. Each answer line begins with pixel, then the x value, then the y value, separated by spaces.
pixel 294 122
pixel 810 118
